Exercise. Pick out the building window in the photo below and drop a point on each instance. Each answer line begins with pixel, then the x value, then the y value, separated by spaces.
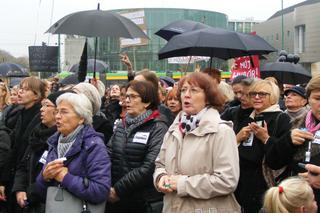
pixel 299 39
pixel 277 36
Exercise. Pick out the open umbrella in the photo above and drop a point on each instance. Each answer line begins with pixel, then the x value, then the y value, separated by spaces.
pixel 286 72
pixel 101 66
pixel 215 42
pixel 6 68
pixel 178 27
pixel 97 23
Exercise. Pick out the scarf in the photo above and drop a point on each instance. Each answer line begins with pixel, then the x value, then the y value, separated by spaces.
pixel 295 114
pixel 133 122
pixel 188 123
pixel 311 124
pixel 65 142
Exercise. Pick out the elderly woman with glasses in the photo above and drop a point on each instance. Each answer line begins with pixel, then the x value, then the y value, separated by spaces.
pixel 262 139
pixel 198 164
pixel 84 150
pixel 134 146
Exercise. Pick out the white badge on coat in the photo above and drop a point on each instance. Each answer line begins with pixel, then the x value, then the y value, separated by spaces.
pixel 316 137
pixel 141 137
pixel 43 158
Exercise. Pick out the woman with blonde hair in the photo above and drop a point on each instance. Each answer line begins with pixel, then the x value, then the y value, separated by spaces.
pixel 292 195
pixel 4 97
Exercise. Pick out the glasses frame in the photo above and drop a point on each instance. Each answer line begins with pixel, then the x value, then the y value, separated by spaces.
pixel 260 94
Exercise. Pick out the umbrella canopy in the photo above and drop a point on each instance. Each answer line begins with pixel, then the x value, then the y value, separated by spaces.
pixel 97 23
pixel 286 72
pixel 215 42
pixel 169 81
pixel 178 27
pixel 10 68
pixel 101 66
pixel 71 79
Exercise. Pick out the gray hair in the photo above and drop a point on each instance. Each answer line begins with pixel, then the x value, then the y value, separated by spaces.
pixel 80 104
pixel 92 94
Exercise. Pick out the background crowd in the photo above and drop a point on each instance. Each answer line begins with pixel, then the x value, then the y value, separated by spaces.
pixel 199 145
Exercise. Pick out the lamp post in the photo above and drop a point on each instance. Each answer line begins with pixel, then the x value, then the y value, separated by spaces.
pixel 282 26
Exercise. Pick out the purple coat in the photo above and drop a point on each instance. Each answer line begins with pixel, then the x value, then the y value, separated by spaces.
pixel 87 157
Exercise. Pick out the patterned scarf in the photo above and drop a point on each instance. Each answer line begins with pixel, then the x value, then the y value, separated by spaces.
pixel 65 142
pixel 190 122
pixel 133 122
pixel 311 123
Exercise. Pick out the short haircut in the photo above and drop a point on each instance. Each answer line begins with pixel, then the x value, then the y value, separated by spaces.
pixel 314 84
pixel 92 94
pixel 269 87
pixel 213 73
pixel 213 96
pixel 238 79
pixel 80 104
pixel 147 92
pixel 37 86
pixel 150 76
pixel 289 196
pixel 247 82
pixel 172 94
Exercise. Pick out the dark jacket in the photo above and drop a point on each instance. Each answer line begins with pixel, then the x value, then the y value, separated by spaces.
pixel 5 146
pixel 10 115
pixel 30 166
pixel 252 184
pixel 113 111
pixel 239 117
pixel 133 161
pixel 88 158
pixel 104 126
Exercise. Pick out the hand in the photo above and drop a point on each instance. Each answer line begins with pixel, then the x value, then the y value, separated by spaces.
pixel 304 175
pixel 59 177
pixel 260 132
pixel 243 134
pixel 173 181
pixel 2 193
pixel 113 197
pixel 125 59
pixel 314 180
pixel 298 136
pixel 52 169
pixel 21 199
pixel 164 184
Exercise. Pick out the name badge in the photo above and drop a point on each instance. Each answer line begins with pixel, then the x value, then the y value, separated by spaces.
pixel 43 158
pixel 141 137
pixel 316 137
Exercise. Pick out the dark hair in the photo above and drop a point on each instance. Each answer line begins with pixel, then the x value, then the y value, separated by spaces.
pixel 212 94
pixel 213 72
pixel 150 76
pixel 238 79
pixel 147 92
pixel 36 85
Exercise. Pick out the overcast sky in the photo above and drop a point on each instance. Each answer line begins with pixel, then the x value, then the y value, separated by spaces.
pixel 24 22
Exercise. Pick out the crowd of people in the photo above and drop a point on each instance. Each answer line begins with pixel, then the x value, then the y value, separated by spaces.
pixel 200 145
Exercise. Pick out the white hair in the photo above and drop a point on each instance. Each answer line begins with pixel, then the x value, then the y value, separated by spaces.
pixel 80 104
pixel 92 94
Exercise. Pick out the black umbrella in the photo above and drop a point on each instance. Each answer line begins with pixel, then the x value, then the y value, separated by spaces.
pixel 178 27
pixel 83 64
pixel 71 79
pixel 215 42
pixel 286 72
pixel 101 66
pixel 7 68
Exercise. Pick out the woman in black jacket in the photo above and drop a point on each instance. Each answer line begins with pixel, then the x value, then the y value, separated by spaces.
pixel 34 158
pixel 134 147
pixel 258 142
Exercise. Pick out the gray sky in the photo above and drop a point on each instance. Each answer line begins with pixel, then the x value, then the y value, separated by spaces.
pixel 24 22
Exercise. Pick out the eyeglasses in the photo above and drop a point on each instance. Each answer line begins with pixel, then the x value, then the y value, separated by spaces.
pixel 260 94
pixel 132 96
pixel 192 90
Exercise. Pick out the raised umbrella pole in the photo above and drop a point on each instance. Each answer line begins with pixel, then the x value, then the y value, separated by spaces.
pixel 95 57
pixel 185 71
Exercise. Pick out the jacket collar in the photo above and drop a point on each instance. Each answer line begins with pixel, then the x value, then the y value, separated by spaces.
pixel 209 123
pixel 273 108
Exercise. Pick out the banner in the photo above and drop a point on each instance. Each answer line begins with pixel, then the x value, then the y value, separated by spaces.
pixel 187 59
pixel 247 65
pixel 43 58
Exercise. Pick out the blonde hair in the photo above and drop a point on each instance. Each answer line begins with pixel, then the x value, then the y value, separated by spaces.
pixel 226 91
pixel 314 84
pixel 268 86
pixel 290 195
pixel 6 89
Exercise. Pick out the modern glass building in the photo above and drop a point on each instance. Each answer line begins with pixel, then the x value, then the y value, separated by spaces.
pixel 144 54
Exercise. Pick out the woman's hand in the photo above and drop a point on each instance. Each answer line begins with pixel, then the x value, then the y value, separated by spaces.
pixel 173 181
pixel 52 169
pixel 164 184
pixel 113 197
pixel 21 199
pixel 260 132
pixel 313 175
pixel 59 177
pixel 243 134
pixel 298 136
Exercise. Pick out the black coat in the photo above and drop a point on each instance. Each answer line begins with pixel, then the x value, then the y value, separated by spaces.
pixel 104 126
pixel 133 162
pixel 30 166
pixel 252 184
pixel 5 146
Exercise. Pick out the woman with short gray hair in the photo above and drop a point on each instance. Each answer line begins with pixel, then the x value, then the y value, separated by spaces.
pixel 82 146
